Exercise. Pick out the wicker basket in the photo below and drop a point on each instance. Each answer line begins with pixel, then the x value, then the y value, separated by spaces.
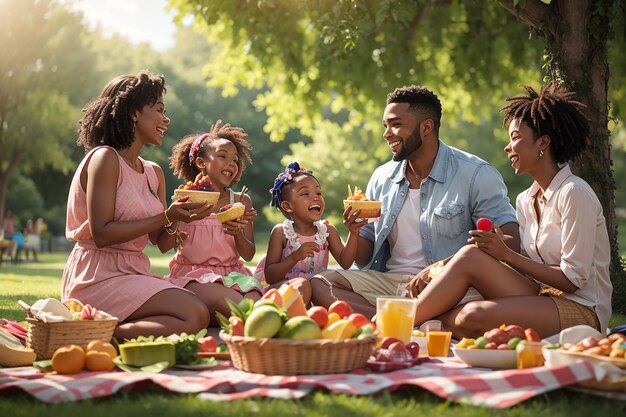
pixel 44 338
pixel 298 357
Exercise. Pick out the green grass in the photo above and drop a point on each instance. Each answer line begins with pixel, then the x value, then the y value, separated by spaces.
pixel 31 281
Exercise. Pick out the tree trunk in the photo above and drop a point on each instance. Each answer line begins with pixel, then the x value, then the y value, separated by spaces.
pixel 577 51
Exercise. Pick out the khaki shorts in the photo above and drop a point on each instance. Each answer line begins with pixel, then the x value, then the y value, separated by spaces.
pixel 371 284
pixel 571 313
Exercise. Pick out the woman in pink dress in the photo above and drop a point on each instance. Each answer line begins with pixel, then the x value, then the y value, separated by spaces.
pixel 212 251
pixel 116 203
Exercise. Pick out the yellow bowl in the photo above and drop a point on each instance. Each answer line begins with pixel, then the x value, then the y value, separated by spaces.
pixel 210 197
pixel 369 209
pixel 232 213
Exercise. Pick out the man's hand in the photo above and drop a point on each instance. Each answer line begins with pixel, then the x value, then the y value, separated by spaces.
pixel 419 282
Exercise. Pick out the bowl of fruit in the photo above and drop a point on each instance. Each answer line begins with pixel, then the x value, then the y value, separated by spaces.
pixel 496 348
pixel 198 191
pixel 359 201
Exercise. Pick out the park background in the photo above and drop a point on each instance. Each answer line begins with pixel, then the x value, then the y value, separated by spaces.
pixel 306 79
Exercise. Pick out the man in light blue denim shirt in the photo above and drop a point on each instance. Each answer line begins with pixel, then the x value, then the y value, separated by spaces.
pixel 432 195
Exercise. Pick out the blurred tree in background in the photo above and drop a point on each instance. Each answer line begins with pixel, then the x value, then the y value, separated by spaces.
pixel 306 79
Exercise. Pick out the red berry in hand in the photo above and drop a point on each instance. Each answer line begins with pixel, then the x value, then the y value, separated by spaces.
pixel 484 225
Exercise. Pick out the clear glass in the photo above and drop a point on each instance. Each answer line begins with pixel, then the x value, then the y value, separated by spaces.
pixel 438 342
pixel 395 317
pixel 529 355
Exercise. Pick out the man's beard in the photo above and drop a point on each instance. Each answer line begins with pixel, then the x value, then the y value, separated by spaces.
pixel 409 145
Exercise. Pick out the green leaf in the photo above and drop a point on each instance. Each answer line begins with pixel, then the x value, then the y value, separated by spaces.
pixel 235 310
pixel 223 321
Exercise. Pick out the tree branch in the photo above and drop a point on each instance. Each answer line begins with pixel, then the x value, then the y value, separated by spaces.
pixel 534 12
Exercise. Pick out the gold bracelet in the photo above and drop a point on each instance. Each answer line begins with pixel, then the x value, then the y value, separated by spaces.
pixel 169 222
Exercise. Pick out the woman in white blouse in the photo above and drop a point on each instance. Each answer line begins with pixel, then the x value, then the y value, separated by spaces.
pixel 562 280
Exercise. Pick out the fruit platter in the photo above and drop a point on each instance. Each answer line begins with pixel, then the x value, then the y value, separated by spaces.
pixel 610 349
pixel 198 191
pixel 277 335
pixel 497 348
pixel 359 201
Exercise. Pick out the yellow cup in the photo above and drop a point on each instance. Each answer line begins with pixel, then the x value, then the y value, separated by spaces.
pixel 438 343
pixel 395 316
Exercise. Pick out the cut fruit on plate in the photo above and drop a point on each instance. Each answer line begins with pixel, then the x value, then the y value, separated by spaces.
pixel 202 363
pixel 153 367
pixel 487 358
pixel 216 355
pixel 378 366
pixel 597 359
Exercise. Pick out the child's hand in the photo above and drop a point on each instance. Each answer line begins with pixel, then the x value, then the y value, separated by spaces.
pixel 250 214
pixel 307 250
pixel 351 221
pixel 234 227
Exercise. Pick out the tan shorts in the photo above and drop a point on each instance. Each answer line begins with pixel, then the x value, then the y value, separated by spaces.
pixel 371 284
pixel 571 313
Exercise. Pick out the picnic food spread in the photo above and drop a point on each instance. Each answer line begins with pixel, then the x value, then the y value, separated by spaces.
pixel 359 201
pixel 231 212
pixel 198 190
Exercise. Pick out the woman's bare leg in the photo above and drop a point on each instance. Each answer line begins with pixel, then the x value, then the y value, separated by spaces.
pixel 476 317
pixel 471 267
pixel 167 312
pixel 214 296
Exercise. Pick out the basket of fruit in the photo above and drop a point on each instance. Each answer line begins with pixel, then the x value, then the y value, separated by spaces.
pixel 53 324
pixel 278 336
pixel 359 201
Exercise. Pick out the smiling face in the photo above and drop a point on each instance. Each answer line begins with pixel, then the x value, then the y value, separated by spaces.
pixel 523 148
pixel 151 123
pixel 302 199
pixel 219 162
pixel 401 130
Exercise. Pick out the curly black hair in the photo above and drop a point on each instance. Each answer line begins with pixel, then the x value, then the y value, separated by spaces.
pixel 179 161
pixel 421 100
pixel 553 112
pixel 108 119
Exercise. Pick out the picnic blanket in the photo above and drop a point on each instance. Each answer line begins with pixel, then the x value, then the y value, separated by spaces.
pixel 445 377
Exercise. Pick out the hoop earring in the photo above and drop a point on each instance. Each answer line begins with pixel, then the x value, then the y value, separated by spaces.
pixel 540 153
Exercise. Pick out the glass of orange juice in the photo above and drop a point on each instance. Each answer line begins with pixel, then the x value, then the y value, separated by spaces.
pixel 395 316
pixel 438 342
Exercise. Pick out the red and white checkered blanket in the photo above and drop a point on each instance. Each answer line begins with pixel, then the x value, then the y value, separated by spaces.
pixel 446 378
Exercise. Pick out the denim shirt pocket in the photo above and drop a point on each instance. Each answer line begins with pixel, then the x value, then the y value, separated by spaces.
pixel 450 220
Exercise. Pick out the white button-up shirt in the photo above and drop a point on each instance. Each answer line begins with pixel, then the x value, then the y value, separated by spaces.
pixel 571 234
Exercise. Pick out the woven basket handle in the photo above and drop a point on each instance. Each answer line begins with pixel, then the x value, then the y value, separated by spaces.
pixel 24 305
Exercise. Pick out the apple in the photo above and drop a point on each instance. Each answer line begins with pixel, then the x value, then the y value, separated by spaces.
pixel 388 341
pixel 340 307
pixel 515 331
pixel 358 319
pixel 208 344
pixel 484 225
pixel 414 349
pixel 319 315
pixel 491 346
pixel 532 335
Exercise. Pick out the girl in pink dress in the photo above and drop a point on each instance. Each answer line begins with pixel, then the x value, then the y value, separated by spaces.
pixel 212 251
pixel 298 248
pixel 116 203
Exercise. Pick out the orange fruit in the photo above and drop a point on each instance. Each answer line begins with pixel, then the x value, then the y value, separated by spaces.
pixel 100 346
pixel 68 359
pixel 98 361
